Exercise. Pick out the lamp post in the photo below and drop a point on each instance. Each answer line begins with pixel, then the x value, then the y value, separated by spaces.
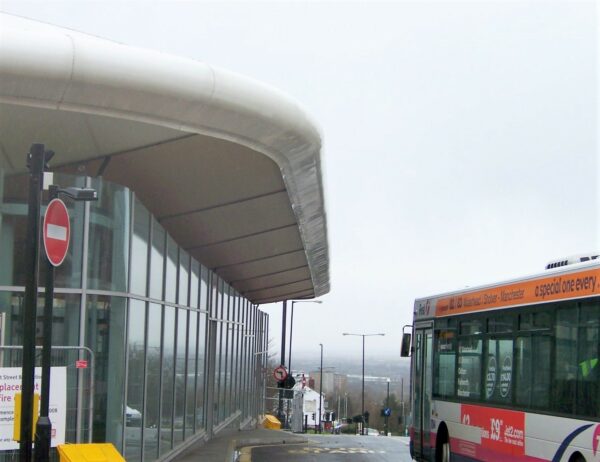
pixel 292 327
pixel 387 406
pixel 345 405
pixel 321 388
pixel 283 328
pixel 363 372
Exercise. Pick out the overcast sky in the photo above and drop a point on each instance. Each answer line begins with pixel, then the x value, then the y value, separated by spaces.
pixel 459 138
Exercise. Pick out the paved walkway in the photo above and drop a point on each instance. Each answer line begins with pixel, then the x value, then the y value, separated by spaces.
pixel 223 447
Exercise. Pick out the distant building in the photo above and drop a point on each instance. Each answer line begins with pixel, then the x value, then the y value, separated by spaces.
pixel 311 406
pixel 334 384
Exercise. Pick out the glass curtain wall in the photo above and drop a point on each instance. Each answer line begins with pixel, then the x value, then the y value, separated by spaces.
pixel 141 304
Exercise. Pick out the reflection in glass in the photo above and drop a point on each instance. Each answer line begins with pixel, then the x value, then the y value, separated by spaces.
pixel 191 385
pixel 171 268
pixel 180 375
pixel 218 411
pixel 105 336
pixel 139 248
pixel 153 372
pixel 204 292
pixel 184 271
pixel 135 380
pixel 168 372
pixel 194 284
pixel 232 353
pixel 157 256
pixel 202 348
pixel 108 257
pixel 225 384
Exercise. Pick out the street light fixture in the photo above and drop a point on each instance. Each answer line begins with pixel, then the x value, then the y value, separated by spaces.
pixel 292 327
pixel 321 388
pixel 363 371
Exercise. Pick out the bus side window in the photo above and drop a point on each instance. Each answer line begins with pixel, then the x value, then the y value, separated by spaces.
pixel 588 367
pixel 499 370
pixel 532 371
pixel 444 363
pixel 565 369
pixel 469 367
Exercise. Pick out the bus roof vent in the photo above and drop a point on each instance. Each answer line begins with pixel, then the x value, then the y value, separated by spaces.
pixel 572 260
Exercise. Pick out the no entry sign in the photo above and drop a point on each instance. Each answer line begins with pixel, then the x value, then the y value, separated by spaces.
pixel 280 373
pixel 57 231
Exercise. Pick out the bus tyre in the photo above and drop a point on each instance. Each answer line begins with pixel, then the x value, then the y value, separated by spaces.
pixel 577 458
pixel 442 446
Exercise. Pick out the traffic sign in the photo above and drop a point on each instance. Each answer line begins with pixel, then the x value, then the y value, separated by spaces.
pixel 280 373
pixel 56 232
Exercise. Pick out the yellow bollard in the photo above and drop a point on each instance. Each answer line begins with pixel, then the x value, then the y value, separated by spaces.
pixel 271 422
pixel 97 452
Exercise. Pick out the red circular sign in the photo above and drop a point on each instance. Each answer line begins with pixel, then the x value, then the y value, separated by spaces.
pixel 57 231
pixel 280 373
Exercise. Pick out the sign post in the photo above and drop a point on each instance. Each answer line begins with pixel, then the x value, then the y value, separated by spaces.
pixel 36 160
pixel 57 232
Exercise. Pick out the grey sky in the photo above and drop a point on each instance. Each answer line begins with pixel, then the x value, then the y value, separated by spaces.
pixel 459 138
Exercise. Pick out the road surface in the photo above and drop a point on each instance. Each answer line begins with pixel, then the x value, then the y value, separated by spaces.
pixel 332 448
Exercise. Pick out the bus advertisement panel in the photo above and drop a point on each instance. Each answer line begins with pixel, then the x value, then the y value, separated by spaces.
pixel 509 371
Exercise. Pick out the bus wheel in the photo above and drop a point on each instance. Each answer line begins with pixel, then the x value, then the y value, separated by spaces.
pixel 442 445
pixel 577 458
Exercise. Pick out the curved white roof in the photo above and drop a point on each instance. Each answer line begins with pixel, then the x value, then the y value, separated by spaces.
pixel 229 166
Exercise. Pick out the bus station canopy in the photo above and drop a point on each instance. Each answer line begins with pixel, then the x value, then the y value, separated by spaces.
pixel 229 167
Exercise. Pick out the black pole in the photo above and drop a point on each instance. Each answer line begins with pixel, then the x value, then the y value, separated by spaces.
pixel 283 328
pixel 321 389
pixel 362 431
pixel 43 430
pixel 35 162
pixel 291 332
pixel 387 405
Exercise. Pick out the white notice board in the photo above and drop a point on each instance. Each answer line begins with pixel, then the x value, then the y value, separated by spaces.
pixel 10 383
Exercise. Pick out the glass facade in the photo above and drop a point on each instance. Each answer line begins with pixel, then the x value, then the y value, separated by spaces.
pixel 141 308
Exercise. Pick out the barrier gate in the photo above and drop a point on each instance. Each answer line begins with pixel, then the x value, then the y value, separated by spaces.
pixel 79 363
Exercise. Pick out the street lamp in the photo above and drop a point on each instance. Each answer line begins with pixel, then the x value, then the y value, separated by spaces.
pixel 387 406
pixel 292 327
pixel 321 388
pixel 363 371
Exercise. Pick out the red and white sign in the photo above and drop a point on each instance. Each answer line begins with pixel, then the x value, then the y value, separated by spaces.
pixel 280 373
pixel 81 364
pixel 56 231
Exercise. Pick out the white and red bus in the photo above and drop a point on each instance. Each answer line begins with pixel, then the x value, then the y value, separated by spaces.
pixel 509 371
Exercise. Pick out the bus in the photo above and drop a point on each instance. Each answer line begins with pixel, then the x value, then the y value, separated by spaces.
pixel 509 371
